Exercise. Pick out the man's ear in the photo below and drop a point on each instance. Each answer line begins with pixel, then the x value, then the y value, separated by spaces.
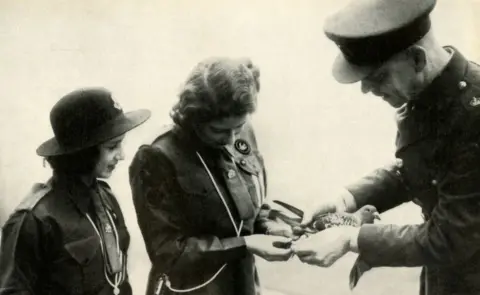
pixel 418 56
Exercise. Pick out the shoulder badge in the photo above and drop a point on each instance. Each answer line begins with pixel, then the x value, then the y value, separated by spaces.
pixel 37 192
pixel 116 104
pixel 242 146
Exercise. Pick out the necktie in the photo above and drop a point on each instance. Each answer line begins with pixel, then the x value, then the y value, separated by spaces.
pixel 110 244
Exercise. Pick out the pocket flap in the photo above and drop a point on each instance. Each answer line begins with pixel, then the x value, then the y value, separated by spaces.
pixel 249 164
pixel 83 250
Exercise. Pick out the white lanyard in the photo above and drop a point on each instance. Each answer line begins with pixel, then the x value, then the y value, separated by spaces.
pixel 119 277
pixel 164 279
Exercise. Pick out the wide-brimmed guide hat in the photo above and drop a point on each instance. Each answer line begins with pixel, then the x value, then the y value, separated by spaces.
pixel 87 117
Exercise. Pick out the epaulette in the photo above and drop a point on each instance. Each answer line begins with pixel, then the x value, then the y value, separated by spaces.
pixel 36 193
pixel 164 130
pixel 471 85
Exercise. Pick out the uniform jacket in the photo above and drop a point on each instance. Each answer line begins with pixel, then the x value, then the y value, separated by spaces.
pixel 50 247
pixel 185 225
pixel 438 168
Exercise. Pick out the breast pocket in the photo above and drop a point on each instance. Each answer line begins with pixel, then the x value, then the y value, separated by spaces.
pixel 84 251
pixel 199 200
pixel 252 167
pixel 81 268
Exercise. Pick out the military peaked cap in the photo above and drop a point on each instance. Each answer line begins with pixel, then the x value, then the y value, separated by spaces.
pixel 369 32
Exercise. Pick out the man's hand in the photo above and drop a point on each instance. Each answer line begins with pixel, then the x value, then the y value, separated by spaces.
pixel 270 248
pixel 339 201
pixel 326 247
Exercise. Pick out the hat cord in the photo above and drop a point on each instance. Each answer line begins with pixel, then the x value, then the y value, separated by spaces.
pixel 164 278
pixel 119 277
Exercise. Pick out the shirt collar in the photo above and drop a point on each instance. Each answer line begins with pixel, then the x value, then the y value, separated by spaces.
pixel 447 85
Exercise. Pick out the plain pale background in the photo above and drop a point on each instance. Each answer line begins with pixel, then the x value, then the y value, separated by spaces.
pixel 314 133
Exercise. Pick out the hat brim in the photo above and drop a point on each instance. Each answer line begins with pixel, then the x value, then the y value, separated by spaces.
pixel 346 73
pixel 111 129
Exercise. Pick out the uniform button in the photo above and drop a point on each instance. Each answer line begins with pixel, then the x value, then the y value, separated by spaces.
pixel 231 173
pixel 434 182
pixel 243 162
pixel 462 84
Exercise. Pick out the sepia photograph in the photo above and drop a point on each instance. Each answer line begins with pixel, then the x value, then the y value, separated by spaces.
pixel 239 147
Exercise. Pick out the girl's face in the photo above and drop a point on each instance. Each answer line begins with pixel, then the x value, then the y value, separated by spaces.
pixel 111 152
pixel 221 132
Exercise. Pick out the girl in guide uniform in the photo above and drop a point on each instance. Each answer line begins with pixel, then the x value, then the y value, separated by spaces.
pixel 199 188
pixel 68 236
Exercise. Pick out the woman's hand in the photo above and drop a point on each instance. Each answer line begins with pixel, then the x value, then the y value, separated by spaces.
pixel 270 248
pixel 279 229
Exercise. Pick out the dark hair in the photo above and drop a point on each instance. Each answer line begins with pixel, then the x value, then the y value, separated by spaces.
pixel 79 163
pixel 217 88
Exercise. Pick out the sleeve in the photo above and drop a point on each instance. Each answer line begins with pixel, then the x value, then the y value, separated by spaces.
pixel 169 242
pixel 384 188
pixel 262 221
pixel 21 254
pixel 451 235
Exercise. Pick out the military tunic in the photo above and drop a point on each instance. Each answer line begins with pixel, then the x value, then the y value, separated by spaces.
pixel 187 230
pixel 438 168
pixel 50 247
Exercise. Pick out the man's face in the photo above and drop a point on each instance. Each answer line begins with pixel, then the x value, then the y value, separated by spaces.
pixel 221 132
pixel 395 81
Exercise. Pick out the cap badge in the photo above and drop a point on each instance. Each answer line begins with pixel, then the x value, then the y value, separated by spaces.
pixel 475 102
pixel 242 146
pixel 116 104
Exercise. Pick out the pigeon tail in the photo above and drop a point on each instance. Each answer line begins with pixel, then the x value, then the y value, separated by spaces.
pixel 359 268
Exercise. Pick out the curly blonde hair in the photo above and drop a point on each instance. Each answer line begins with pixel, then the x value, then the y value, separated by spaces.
pixel 217 88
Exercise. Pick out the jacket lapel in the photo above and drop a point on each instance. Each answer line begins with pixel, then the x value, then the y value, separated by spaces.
pixel 236 185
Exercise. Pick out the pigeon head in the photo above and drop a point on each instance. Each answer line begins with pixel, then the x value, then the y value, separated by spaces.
pixel 368 214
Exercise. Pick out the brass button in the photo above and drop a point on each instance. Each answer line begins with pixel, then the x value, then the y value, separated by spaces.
pixel 462 84
pixel 231 173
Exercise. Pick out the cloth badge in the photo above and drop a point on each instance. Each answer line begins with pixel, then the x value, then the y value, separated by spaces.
pixel 242 146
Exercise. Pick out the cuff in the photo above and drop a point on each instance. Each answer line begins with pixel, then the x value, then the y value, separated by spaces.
pixel 235 248
pixel 368 243
pixel 346 201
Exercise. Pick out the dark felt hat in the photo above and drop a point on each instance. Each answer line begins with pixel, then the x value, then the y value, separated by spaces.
pixel 87 117
pixel 369 32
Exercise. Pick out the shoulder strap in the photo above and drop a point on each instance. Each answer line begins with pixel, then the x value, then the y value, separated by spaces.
pixel 36 193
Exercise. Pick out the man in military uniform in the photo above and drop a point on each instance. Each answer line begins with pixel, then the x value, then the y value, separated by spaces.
pixel 388 45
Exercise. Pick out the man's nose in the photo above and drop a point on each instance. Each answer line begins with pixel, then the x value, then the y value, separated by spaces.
pixel 366 86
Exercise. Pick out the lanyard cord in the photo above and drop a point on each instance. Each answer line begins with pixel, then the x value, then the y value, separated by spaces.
pixel 119 277
pixel 237 230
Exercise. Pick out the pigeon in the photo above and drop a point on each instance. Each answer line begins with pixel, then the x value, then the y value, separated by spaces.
pixel 365 215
